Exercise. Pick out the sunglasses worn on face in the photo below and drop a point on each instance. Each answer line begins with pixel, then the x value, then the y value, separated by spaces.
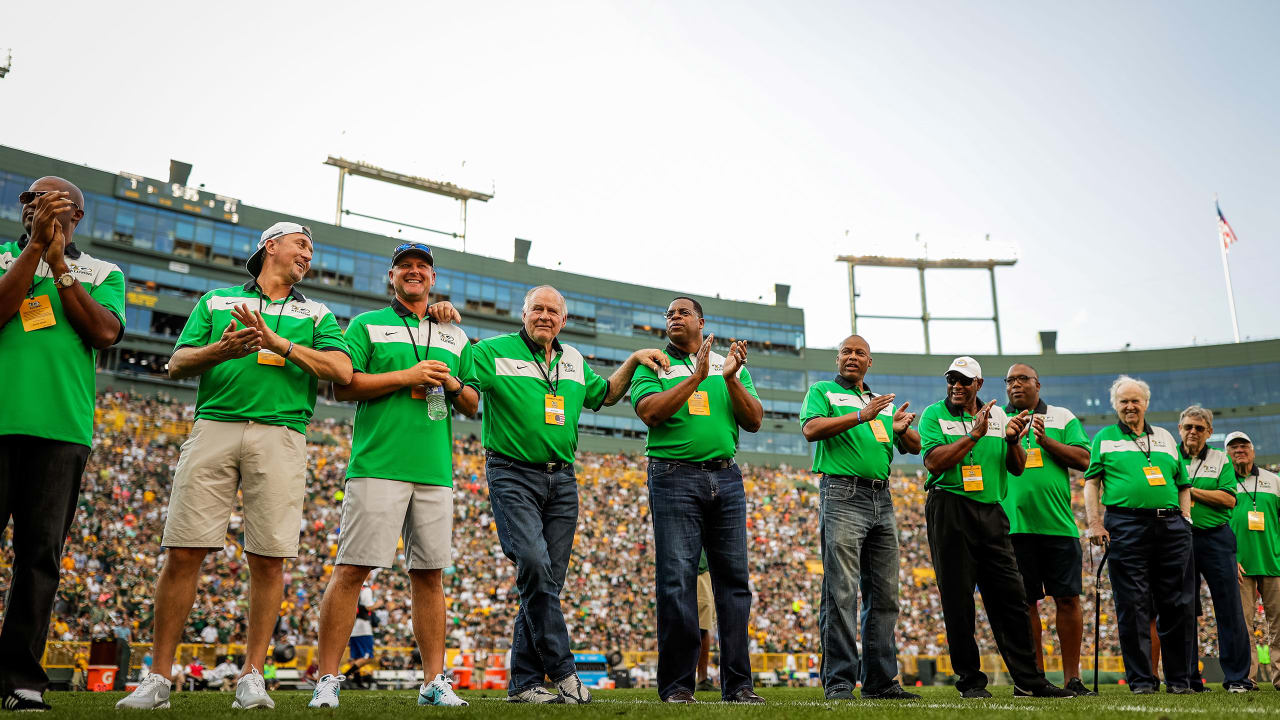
pixel 961 380
pixel 1198 428
pixel 29 196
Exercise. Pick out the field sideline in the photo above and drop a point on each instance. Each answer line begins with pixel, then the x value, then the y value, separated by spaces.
pixel 943 703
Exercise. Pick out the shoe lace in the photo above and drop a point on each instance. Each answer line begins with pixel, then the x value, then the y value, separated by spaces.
pixel 254 681
pixel 330 685
pixel 151 681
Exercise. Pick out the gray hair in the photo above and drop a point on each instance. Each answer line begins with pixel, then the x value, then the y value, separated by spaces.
pixel 1197 410
pixel 528 297
pixel 1126 380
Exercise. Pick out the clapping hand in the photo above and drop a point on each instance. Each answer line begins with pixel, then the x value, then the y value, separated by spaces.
pixel 1016 426
pixel 903 419
pixel 253 319
pixel 235 344
pixel 736 358
pixel 981 418
pixel 873 408
pixel 702 362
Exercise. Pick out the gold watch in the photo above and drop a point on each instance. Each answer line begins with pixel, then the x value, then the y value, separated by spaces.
pixel 66 280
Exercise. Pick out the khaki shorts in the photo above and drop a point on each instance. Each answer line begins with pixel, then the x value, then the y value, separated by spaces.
pixel 266 463
pixel 706 604
pixel 377 512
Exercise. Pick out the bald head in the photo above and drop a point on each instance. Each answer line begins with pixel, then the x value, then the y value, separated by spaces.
pixel 49 183
pixel 53 182
pixel 853 359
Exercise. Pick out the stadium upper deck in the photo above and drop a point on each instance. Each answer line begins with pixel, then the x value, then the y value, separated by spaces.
pixel 172 256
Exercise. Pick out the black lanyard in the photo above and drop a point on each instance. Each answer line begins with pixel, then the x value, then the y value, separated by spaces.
pixel 278 317
pixel 1193 472
pixel 1253 496
pixel 1146 452
pixel 969 455
pixel 414 341
pixel 552 384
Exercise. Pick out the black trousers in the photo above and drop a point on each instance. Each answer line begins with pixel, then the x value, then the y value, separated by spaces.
pixel 39 487
pixel 970 545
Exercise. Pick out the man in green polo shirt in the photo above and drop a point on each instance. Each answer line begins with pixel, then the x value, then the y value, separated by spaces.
pixel 534 390
pixel 400 475
pixel 1042 527
pixel 1255 520
pixel 1213 548
pixel 58 307
pixel 694 410
pixel 856 431
pixel 257 392
pixel 970 449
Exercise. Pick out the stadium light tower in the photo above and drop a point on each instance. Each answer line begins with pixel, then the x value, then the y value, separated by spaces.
pixel 7 64
pixel 922 264
pixel 436 187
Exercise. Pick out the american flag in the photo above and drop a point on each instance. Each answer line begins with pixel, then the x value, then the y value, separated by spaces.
pixel 1225 233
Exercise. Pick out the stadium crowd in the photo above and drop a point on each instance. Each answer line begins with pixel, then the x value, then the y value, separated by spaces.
pixel 111 558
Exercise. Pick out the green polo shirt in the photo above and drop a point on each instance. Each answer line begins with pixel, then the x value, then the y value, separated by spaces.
pixel 855 451
pixel 243 389
pixel 1210 470
pixel 1118 457
pixel 393 437
pixel 692 438
pixel 1039 501
pixel 52 369
pixel 1258 551
pixel 512 375
pixel 942 424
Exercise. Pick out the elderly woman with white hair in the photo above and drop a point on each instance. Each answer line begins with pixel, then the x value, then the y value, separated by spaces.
pixel 1135 471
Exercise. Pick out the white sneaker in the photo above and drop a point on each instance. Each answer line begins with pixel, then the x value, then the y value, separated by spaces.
pixel 251 692
pixel 326 694
pixel 439 692
pixel 573 691
pixel 537 695
pixel 151 694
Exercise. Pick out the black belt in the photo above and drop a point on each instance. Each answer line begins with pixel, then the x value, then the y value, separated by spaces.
pixel 862 482
pixel 705 465
pixel 1144 512
pixel 546 467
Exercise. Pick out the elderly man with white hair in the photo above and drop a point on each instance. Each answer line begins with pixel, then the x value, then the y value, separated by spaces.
pixel 1136 472
pixel 534 388
pixel 1213 548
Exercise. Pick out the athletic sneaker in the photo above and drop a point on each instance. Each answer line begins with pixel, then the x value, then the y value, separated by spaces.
pixel 251 692
pixel 1237 688
pixel 326 693
pixel 975 694
pixel 537 695
pixel 23 700
pixel 151 694
pixel 439 692
pixel 1077 687
pixel 1047 690
pixel 573 691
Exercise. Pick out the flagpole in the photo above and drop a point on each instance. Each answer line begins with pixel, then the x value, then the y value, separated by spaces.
pixel 1226 273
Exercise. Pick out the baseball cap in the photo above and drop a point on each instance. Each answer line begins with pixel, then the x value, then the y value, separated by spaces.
pixel 412 248
pixel 966 366
pixel 280 229
pixel 1237 435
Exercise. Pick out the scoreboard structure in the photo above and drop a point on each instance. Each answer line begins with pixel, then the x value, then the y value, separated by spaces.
pixel 175 196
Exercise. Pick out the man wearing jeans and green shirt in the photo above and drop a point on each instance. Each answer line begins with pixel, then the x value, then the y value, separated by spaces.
pixel 856 431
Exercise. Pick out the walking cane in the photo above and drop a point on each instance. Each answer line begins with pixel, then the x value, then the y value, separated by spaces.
pixel 1097 611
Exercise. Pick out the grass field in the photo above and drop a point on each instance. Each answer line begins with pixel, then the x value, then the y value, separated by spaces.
pixel 941 703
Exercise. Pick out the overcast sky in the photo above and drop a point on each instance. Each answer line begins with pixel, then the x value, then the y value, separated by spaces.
pixel 722 147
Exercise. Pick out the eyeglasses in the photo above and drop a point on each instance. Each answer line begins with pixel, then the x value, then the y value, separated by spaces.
pixel 1196 428
pixel 1018 380
pixel 958 379
pixel 681 312
pixel 27 197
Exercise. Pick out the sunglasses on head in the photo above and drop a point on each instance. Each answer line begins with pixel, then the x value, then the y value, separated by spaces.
pixel 29 196
pixel 958 379
pixel 411 246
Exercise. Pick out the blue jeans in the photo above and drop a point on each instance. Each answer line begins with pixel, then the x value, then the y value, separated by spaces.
pixel 1214 559
pixel 536 514
pixel 858 532
pixel 694 509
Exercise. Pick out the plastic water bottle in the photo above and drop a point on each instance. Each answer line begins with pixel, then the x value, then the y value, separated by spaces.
pixel 437 405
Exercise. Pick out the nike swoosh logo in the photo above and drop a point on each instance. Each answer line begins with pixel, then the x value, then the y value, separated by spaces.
pixel 389 333
pixel 521 367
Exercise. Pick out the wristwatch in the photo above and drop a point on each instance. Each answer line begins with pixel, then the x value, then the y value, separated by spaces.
pixel 66 280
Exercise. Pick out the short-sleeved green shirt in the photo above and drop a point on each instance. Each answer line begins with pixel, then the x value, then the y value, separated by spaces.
pixel 1258 551
pixel 512 375
pixel 855 451
pixel 1039 500
pixel 692 438
pixel 942 424
pixel 393 437
pixel 1118 457
pixel 1210 470
pixel 52 369
pixel 243 389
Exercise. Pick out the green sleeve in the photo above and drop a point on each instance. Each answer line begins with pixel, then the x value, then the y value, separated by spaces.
pixel 1095 468
pixel 597 389
pixel 816 404
pixel 1180 476
pixel 110 295
pixel 466 372
pixel 644 382
pixel 930 431
pixel 328 336
pixel 745 378
pixel 1227 479
pixel 357 337
pixel 1074 434
pixel 198 331
pixel 481 375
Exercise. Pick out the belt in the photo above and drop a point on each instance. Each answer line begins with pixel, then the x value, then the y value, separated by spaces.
pixel 1144 512
pixel 705 465
pixel 863 482
pixel 546 467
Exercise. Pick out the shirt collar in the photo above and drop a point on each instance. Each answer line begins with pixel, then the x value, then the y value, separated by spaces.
pixel 676 352
pixel 70 251
pixel 534 347
pixel 401 310
pixel 1042 408
pixel 294 292
pixel 842 382
pixel 1146 428
pixel 1204 452
pixel 956 410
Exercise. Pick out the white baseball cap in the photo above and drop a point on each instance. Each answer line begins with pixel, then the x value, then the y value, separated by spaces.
pixel 280 229
pixel 1237 435
pixel 966 366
